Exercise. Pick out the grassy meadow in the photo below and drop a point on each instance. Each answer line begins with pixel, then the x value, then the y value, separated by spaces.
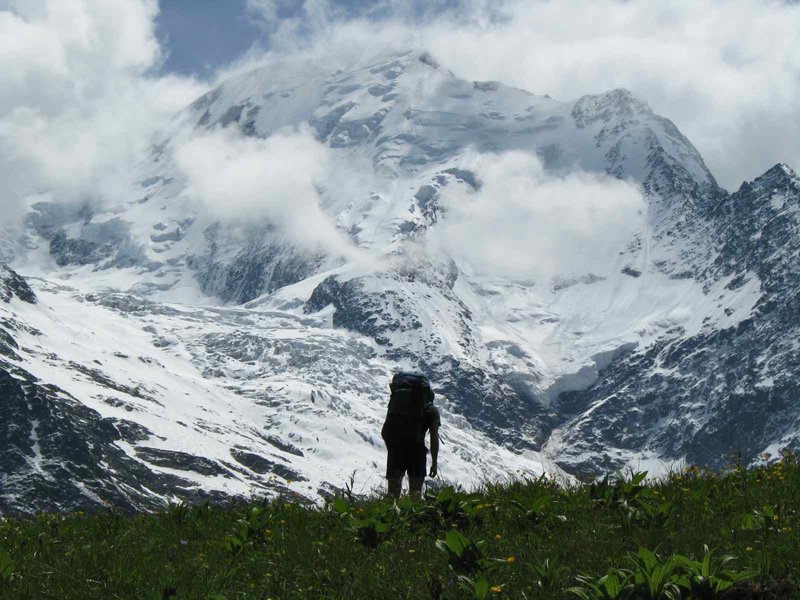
pixel 693 534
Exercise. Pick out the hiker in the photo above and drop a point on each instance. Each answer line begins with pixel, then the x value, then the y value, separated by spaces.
pixel 410 415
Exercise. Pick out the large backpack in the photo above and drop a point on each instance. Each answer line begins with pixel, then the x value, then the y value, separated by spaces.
pixel 405 417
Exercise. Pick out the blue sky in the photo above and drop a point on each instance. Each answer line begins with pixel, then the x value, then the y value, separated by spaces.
pixel 200 35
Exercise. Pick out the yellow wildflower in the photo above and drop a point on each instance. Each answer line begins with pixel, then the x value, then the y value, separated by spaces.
pixel 498 537
pixel 497 589
pixel 511 559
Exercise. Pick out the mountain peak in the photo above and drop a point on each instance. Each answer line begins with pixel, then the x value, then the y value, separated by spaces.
pixel 617 103
pixel 622 95
pixel 785 169
pixel 780 169
pixel 780 174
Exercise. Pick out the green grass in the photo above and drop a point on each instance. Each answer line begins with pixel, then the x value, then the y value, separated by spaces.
pixel 527 539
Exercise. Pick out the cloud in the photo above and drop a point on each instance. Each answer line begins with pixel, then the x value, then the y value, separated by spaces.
pixel 78 102
pixel 726 72
pixel 244 180
pixel 526 223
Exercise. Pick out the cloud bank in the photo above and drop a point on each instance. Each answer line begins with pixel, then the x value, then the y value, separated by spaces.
pixel 241 180
pixel 525 223
pixel 78 103
pixel 726 72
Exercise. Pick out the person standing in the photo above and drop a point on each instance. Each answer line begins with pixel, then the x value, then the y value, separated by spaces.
pixel 410 416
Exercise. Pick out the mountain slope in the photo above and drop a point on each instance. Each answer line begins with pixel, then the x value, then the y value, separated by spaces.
pixel 720 392
pixel 112 397
pixel 185 354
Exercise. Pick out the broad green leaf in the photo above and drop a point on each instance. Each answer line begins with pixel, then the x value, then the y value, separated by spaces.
pixel 481 588
pixel 6 566
pixel 457 542
pixel 339 505
pixel 612 585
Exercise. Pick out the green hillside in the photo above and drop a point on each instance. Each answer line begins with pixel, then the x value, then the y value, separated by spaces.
pixel 691 535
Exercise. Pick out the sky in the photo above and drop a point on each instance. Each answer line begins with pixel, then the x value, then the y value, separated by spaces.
pixel 200 36
pixel 726 72
pixel 85 85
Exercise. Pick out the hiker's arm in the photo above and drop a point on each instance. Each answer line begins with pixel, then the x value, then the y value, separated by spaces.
pixel 434 451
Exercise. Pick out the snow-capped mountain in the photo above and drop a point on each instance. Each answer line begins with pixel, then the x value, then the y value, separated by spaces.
pixel 152 351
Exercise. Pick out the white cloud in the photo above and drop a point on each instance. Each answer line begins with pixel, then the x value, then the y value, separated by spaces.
pixel 525 223
pixel 243 180
pixel 288 20
pixel 266 11
pixel 79 103
pixel 726 72
pixel 78 106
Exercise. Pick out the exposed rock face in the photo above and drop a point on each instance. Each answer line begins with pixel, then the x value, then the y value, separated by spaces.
pixel 59 455
pixel 260 265
pixel 14 286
